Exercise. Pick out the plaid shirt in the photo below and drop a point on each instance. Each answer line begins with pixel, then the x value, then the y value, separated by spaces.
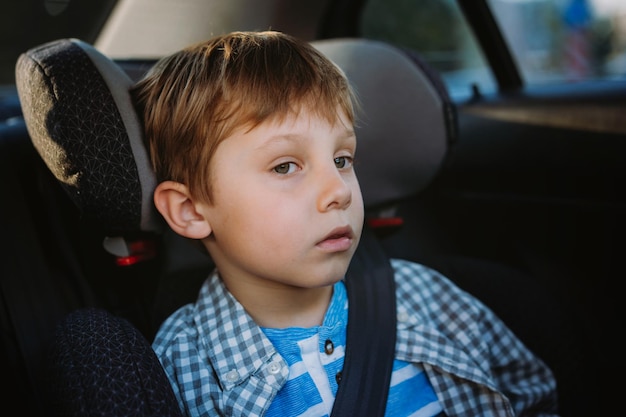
pixel 220 363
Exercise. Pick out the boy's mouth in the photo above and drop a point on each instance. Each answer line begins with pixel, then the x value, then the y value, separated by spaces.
pixel 338 240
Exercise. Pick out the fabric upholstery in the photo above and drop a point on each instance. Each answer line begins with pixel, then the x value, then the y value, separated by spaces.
pixel 102 366
pixel 80 118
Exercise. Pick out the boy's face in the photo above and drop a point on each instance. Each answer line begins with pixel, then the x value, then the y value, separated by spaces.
pixel 287 208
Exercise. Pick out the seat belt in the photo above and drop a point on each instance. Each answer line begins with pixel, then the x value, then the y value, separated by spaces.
pixel 371 332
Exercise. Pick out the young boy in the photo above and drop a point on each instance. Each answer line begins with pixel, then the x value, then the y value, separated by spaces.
pixel 251 136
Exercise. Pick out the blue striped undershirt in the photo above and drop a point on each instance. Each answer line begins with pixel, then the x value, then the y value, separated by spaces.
pixel 315 356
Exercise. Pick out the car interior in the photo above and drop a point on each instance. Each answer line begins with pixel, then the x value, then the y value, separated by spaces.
pixel 517 196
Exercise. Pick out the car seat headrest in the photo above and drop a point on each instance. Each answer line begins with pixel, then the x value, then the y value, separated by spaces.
pixel 80 117
pixel 408 120
pixel 81 120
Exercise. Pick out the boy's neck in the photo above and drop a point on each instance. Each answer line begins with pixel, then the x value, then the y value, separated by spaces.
pixel 279 308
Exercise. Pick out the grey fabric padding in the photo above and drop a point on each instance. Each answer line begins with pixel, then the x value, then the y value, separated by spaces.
pixel 403 133
pixel 80 117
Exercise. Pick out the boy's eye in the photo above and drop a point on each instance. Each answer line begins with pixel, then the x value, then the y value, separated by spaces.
pixel 285 168
pixel 343 162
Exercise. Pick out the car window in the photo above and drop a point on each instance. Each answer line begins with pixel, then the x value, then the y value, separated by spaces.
pixel 437 30
pixel 550 40
pixel 565 40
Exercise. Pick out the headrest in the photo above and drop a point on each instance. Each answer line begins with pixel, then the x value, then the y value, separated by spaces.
pixel 408 120
pixel 80 118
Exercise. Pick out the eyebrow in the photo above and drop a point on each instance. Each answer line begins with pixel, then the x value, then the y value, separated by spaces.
pixel 347 134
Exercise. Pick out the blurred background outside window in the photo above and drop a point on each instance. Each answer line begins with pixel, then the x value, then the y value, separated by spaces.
pixel 551 40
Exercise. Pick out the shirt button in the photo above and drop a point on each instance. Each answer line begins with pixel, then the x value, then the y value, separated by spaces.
pixel 232 376
pixel 403 316
pixel 338 377
pixel 329 348
pixel 274 367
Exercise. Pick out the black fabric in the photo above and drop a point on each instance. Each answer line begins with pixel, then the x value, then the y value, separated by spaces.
pixel 40 279
pixel 102 366
pixel 76 126
pixel 371 334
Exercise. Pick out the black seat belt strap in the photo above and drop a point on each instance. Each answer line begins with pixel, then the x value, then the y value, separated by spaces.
pixel 371 332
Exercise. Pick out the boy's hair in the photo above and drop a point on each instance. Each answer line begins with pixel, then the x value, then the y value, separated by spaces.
pixel 194 99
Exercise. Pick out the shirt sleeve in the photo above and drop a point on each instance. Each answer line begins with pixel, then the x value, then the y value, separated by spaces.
pixel 466 338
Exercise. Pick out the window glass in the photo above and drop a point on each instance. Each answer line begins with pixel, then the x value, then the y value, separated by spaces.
pixel 437 30
pixel 551 40
pixel 565 40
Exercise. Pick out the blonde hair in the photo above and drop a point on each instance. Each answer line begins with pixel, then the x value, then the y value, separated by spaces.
pixel 194 99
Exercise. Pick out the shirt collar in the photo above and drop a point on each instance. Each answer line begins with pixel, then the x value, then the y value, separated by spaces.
pixel 235 345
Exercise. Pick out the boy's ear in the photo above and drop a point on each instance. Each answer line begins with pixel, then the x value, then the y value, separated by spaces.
pixel 173 200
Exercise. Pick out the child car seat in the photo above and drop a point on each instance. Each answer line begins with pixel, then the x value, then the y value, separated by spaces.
pixel 79 115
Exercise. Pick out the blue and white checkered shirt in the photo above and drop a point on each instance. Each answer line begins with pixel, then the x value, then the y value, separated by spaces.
pixel 221 363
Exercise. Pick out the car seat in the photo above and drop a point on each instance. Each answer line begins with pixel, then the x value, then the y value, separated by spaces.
pixel 109 265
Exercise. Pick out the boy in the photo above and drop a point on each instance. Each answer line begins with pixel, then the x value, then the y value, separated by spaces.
pixel 251 136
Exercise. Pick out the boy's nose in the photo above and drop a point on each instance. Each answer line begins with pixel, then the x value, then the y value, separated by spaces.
pixel 335 191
